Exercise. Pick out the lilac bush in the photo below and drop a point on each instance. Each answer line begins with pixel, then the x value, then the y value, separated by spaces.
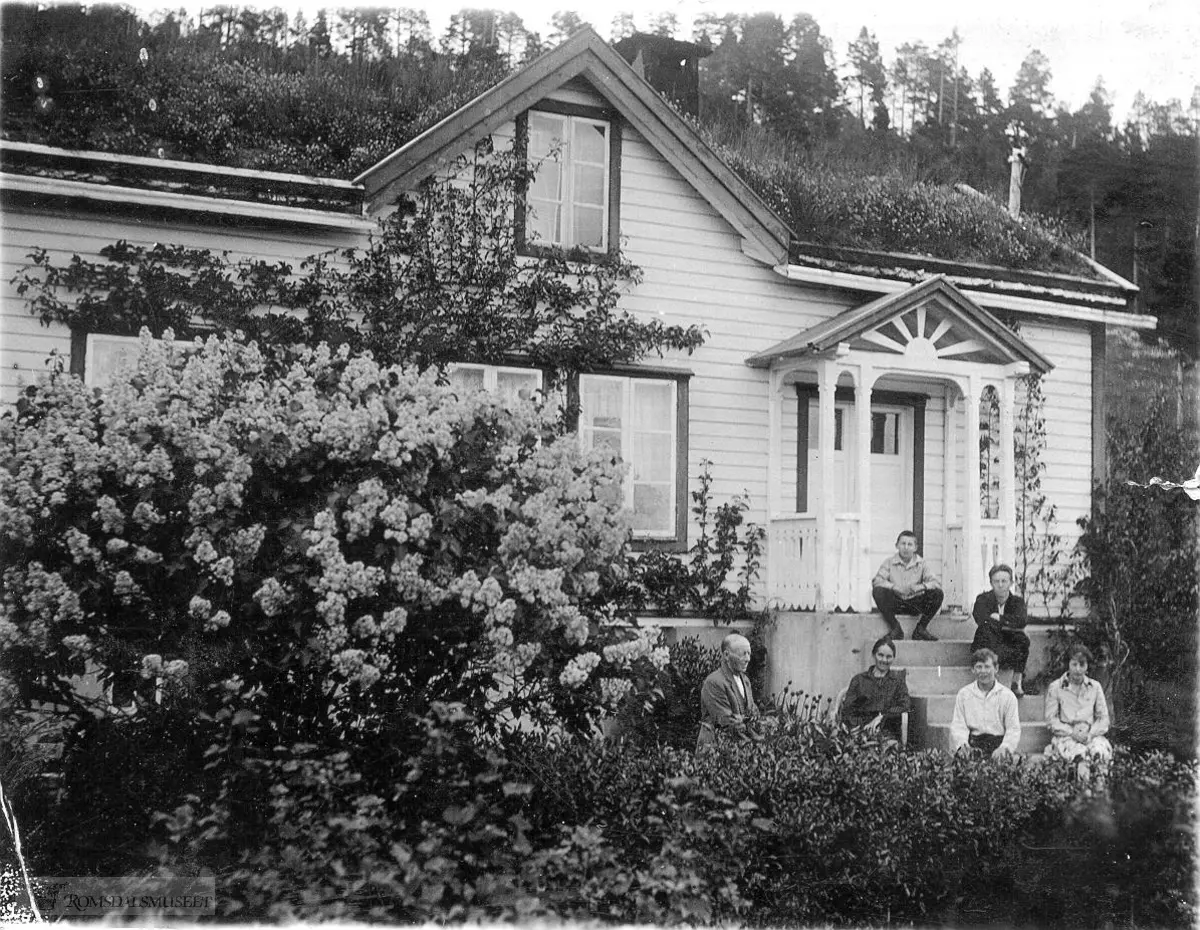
pixel 308 524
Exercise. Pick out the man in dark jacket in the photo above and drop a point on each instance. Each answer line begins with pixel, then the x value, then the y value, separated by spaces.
pixel 727 708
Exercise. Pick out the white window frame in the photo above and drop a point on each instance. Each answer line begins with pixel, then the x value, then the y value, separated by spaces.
pixel 629 385
pixel 565 158
pixel 97 344
pixel 491 374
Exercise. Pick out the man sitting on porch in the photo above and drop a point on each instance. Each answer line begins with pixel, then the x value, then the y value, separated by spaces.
pixel 905 584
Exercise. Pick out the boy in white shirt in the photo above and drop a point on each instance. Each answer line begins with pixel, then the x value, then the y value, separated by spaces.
pixel 985 712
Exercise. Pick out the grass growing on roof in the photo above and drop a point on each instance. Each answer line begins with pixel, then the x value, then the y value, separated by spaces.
pixel 882 203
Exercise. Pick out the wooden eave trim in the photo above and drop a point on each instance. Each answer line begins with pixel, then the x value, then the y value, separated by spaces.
pixel 987 299
pixel 677 141
pixel 954 268
pixel 899 303
pixel 135 197
pixel 160 165
pixel 406 167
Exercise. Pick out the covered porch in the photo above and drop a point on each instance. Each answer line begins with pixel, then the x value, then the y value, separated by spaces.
pixel 895 415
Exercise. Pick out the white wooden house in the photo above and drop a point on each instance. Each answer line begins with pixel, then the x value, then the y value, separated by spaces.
pixel 843 391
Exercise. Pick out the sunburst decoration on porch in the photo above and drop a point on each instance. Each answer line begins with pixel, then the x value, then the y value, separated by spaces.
pixel 923 333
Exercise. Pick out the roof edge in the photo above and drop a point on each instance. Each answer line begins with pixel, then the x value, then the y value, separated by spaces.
pixel 1107 281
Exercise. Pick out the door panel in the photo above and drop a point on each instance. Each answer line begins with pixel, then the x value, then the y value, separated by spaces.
pixel 891 477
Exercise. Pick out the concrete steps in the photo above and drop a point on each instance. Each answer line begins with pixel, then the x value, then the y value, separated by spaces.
pixel 1035 737
pixel 1031 708
pixel 935 673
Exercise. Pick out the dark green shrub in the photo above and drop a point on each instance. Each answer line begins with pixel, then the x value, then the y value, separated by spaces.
pixel 1121 857
pixel 114 773
pixel 667 713
pixel 435 832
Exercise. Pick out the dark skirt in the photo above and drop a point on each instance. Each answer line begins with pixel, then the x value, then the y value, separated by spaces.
pixel 889 726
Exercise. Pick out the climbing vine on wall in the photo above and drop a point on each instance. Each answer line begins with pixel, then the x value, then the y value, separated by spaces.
pixel 442 280
pixel 1044 569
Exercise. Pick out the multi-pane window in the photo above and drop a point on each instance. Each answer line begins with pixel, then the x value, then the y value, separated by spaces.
pixel 508 383
pixel 567 202
pixel 105 355
pixel 637 419
pixel 885 433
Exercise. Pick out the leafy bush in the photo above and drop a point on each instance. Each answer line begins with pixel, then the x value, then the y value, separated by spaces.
pixel 812 826
pixel 305 549
pixel 1140 548
pixel 826 826
pixel 1125 856
pixel 700 582
pixel 667 711
pixel 440 837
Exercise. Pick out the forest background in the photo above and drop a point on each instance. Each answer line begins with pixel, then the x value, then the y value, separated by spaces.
pixel 332 92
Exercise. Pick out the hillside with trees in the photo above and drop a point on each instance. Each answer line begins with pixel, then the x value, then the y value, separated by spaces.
pixel 331 94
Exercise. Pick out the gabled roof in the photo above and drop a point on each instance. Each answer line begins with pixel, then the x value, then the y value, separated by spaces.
pixel 586 55
pixel 931 320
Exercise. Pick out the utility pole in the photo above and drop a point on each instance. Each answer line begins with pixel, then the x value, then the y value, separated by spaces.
pixel 1092 217
pixel 954 121
pixel 1017 135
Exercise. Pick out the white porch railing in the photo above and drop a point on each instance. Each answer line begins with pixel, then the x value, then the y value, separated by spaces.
pixel 792 562
pixel 848 581
pixel 795 560
pixel 993 548
pixel 795 565
pixel 961 588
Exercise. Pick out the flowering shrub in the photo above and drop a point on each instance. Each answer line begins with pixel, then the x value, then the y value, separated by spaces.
pixel 312 533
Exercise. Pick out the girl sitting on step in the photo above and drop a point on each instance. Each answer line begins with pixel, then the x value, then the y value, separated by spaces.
pixel 1077 714
pixel 878 698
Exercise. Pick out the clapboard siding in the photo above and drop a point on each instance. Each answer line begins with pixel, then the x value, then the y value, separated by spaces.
pixel 25 344
pixel 1068 414
pixel 694 272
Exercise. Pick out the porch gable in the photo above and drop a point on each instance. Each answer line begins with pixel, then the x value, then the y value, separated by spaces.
pixel 930 322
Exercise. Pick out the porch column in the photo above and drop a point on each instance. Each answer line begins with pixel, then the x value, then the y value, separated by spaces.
pixel 1008 469
pixel 826 554
pixel 973 568
pixel 950 433
pixel 862 421
pixel 774 468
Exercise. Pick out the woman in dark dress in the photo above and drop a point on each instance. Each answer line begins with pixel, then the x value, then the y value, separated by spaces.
pixel 1000 618
pixel 877 697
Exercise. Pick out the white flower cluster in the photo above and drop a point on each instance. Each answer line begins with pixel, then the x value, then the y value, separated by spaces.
pixel 578 669
pixel 392 528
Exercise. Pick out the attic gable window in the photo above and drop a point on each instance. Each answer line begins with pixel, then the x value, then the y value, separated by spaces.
pixel 573 200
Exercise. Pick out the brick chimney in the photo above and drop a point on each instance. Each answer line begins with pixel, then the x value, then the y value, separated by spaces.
pixel 670 66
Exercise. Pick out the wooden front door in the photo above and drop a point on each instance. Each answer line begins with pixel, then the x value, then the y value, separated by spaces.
pixel 891 478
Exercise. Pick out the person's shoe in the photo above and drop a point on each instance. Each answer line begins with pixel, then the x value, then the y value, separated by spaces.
pixel 922 634
pixel 896 633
